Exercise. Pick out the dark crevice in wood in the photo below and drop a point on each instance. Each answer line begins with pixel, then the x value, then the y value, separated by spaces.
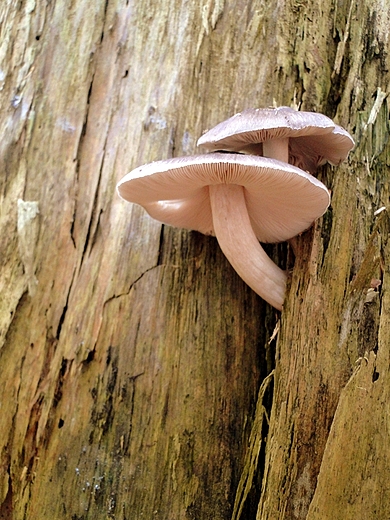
pixel 64 311
pixel 6 508
pixel 161 247
pixel 92 233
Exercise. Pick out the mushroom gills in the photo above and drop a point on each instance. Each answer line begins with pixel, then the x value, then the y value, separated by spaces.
pixel 240 245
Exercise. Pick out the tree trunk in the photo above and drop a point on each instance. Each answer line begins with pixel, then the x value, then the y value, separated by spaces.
pixel 132 356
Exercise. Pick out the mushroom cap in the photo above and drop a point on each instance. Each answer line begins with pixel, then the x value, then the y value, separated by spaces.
pixel 282 200
pixel 313 138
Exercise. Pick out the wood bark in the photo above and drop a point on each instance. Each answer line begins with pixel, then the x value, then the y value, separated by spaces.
pixel 133 358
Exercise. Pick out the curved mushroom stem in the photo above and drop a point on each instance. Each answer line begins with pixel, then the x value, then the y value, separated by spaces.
pixel 276 149
pixel 240 245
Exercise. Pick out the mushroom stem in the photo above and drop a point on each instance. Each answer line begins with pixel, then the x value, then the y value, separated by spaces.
pixel 276 149
pixel 240 245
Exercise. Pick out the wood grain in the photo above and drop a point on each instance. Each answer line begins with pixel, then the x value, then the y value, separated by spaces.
pixel 131 353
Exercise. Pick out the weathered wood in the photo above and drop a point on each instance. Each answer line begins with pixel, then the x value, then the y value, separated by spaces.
pixel 328 324
pixel 131 354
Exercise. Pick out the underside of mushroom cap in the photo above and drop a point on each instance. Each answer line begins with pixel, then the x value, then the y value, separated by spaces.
pixel 282 200
pixel 310 152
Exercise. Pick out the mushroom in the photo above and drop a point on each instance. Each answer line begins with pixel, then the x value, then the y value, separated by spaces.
pixel 240 199
pixel 305 139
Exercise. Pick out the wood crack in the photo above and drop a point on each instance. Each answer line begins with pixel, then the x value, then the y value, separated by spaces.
pixel 64 311
pixel 126 293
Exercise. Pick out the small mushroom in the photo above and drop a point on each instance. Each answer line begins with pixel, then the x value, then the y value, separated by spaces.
pixel 240 199
pixel 304 139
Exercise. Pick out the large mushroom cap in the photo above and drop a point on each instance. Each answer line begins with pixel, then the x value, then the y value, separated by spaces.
pixel 313 138
pixel 281 200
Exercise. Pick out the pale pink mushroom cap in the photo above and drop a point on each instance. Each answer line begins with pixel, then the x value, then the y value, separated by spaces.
pixel 282 200
pixel 313 138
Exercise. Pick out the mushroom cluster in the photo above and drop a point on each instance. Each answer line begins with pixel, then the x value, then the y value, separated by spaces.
pixel 255 185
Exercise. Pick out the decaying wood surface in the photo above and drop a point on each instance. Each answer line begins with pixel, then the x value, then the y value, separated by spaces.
pixel 131 354
pixel 336 313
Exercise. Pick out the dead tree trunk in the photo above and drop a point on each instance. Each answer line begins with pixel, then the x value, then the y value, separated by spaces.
pixel 131 354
